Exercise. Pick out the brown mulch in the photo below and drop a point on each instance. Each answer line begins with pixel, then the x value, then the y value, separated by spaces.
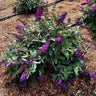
pixel 83 86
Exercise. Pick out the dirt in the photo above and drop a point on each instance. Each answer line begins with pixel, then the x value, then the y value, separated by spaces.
pixel 83 86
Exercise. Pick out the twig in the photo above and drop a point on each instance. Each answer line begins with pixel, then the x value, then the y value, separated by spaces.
pixel 87 49
pixel 53 64
pixel 72 25
pixel 88 46
pixel 89 41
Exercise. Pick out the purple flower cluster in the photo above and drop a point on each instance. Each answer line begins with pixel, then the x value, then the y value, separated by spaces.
pixel 37 54
pixel 24 76
pixel 58 81
pixel 25 23
pixel 42 1
pixel 19 27
pixel 44 47
pixel 69 19
pixel 78 20
pixel 40 79
pixel 58 39
pixel 14 8
pixel 60 84
pixel 16 3
pixel 19 37
pixel 3 74
pixel 87 2
pixel 84 67
pixel 78 53
pixel 8 64
pixel 71 82
pixel 62 17
pixel 25 64
pixel 92 75
pixel 38 13
pixel 93 8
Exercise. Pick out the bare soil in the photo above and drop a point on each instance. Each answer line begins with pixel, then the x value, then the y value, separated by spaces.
pixel 83 86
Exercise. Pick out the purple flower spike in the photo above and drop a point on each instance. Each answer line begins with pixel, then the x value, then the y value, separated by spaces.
pixel 93 8
pixel 42 1
pixel 24 76
pixel 37 54
pixel 8 64
pixel 62 17
pixel 71 82
pixel 45 47
pixel 78 53
pixel 84 67
pixel 58 39
pixel 19 27
pixel 64 87
pixel 31 62
pixel 14 8
pixel 16 3
pixel 92 75
pixel 19 37
pixel 38 13
pixel 3 74
pixel 84 3
pixel 58 82
pixel 78 20
pixel 25 64
pixel 69 19
pixel 40 79
pixel 25 23
pixel 87 2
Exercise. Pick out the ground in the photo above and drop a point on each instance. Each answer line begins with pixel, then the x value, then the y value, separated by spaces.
pixel 82 85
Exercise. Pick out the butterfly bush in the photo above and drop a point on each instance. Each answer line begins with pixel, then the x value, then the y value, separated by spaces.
pixel 89 15
pixel 46 44
pixel 27 6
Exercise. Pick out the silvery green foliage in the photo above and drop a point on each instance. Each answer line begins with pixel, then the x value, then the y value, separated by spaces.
pixel 27 6
pixel 89 16
pixel 46 44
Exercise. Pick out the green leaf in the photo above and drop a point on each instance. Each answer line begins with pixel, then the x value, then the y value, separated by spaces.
pixel 58 65
pixel 33 68
pixel 60 57
pixel 66 62
pixel 65 75
pixel 36 62
pixel 41 71
pixel 55 60
pixel 66 53
pixel 33 53
pixel 50 52
pixel 54 77
pixel 76 70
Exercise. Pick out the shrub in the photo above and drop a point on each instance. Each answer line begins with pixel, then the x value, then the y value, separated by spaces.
pixel 28 6
pixel 89 15
pixel 46 43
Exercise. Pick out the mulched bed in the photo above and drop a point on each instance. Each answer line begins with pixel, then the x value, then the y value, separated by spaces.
pixel 83 86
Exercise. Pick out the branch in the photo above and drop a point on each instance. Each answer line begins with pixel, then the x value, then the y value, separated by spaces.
pixel 72 25
pixel 89 41
pixel 53 65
